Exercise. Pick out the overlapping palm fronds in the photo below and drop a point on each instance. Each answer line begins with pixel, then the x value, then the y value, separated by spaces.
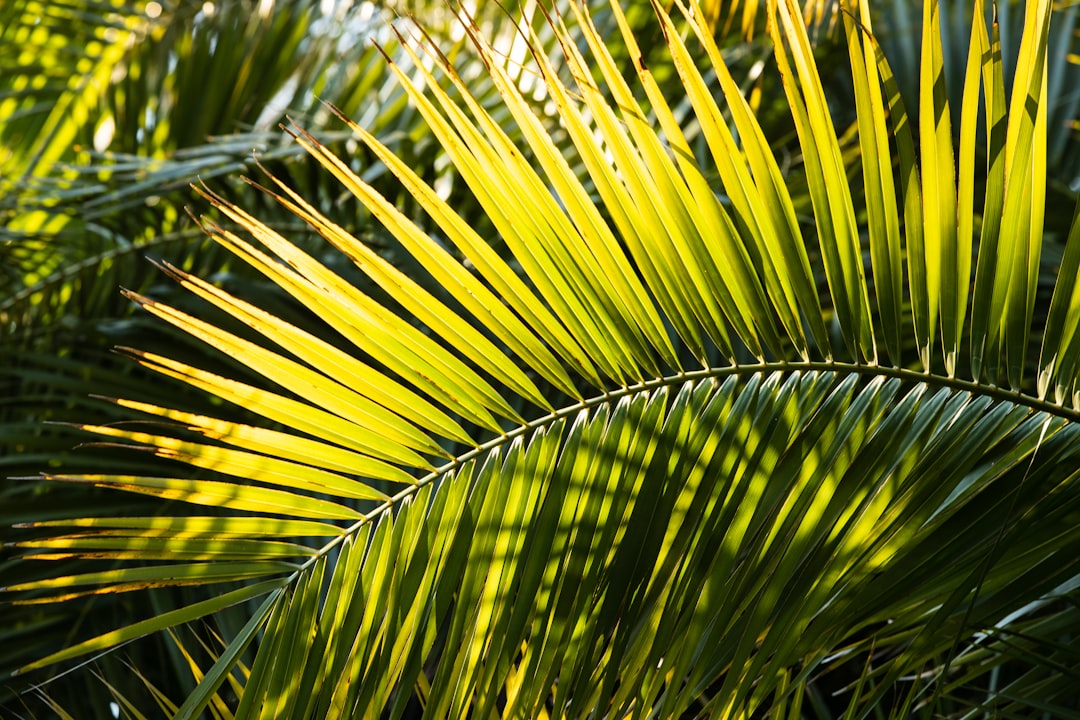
pixel 899 26
pixel 109 110
pixel 676 453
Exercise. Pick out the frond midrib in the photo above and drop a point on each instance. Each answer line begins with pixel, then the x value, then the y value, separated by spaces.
pixel 930 379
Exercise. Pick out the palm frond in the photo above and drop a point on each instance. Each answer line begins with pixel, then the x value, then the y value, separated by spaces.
pixel 899 29
pixel 670 454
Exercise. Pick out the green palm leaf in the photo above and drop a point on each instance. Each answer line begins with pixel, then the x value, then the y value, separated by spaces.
pixel 669 456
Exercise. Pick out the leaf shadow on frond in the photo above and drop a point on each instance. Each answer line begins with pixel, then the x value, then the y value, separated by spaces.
pixel 766 456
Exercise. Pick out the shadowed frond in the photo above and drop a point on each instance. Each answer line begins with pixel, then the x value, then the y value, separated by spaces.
pixel 670 454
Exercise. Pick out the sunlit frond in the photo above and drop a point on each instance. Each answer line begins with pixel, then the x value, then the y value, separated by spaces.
pixel 672 452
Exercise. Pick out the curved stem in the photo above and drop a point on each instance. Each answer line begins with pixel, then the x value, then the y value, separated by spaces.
pixel 941 381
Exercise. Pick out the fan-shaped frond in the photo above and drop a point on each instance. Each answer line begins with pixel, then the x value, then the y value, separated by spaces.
pixel 671 454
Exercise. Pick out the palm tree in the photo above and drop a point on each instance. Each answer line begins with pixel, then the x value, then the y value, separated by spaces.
pixel 678 450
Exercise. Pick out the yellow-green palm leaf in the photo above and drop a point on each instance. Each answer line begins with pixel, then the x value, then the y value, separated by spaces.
pixel 670 454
